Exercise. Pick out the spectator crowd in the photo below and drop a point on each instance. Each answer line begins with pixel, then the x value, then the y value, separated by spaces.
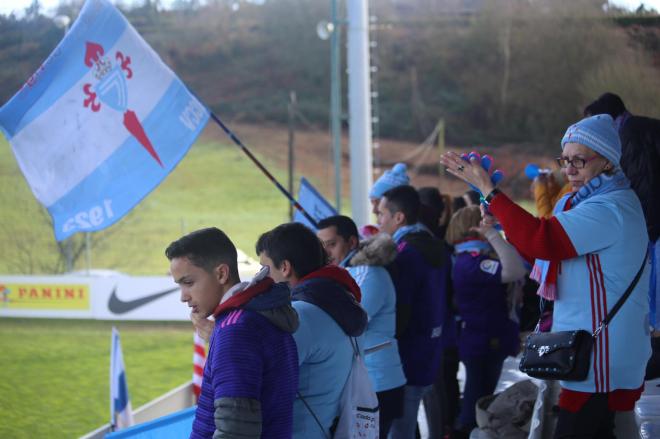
pixel 439 281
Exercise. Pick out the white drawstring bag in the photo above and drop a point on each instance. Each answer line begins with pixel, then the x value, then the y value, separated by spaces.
pixel 358 416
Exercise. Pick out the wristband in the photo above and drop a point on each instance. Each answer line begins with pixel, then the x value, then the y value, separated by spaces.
pixel 491 195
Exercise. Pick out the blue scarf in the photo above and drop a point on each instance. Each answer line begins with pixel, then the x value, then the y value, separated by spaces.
pixel 412 228
pixel 472 246
pixel 545 272
pixel 347 259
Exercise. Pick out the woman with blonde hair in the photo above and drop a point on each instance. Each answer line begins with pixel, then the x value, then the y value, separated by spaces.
pixel 484 264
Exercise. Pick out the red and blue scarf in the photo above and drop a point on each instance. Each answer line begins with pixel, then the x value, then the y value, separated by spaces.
pixel 545 272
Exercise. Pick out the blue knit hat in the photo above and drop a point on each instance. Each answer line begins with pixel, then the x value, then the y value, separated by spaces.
pixel 597 133
pixel 390 179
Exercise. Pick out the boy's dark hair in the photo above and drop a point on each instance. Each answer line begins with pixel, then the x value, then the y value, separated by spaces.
pixel 295 243
pixel 345 226
pixel 404 199
pixel 432 206
pixel 474 197
pixel 206 248
pixel 607 103
pixel 430 196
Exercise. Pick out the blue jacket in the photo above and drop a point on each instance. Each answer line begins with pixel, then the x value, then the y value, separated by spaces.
pixel 328 314
pixel 367 266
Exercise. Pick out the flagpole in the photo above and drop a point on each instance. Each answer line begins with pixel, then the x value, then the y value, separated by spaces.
pixel 112 360
pixel 270 176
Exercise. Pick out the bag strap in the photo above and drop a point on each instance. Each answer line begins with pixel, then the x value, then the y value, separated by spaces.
pixel 354 345
pixel 313 415
pixel 608 318
pixel 356 353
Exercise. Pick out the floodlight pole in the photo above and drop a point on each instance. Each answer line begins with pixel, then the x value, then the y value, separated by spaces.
pixel 359 104
pixel 292 133
pixel 335 100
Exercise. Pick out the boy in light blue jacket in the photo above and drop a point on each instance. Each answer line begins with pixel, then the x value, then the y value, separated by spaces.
pixel 327 300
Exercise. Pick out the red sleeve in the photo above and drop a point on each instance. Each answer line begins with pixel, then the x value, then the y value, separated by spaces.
pixel 534 237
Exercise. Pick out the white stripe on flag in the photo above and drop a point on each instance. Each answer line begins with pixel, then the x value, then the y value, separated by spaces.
pixel 121 413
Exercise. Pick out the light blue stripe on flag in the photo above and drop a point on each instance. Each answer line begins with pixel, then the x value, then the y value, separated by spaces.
pixel 314 204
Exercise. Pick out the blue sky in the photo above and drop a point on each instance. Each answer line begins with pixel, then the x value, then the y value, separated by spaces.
pixel 634 4
pixel 18 6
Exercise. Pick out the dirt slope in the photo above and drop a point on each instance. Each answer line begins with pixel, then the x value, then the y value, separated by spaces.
pixel 313 158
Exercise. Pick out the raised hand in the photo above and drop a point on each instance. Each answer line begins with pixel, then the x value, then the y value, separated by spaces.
pixel 470 171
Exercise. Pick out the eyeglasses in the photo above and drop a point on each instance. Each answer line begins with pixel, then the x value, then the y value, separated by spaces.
pixel 576 162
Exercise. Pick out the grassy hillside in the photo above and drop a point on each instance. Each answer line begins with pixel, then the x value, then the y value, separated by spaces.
pixel 55 372
pixel 214 185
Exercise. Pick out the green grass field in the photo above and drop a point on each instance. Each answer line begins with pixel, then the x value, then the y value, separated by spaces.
pixel 56 372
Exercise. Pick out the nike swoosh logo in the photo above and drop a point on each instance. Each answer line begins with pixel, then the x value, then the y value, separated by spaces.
pixel 118 306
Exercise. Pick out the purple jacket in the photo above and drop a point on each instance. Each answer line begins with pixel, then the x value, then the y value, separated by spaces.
pixel 482 305
pixel 251 372
pixel 421 278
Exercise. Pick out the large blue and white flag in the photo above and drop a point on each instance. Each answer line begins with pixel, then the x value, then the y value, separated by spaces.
pixel 100 123
pixel 121 414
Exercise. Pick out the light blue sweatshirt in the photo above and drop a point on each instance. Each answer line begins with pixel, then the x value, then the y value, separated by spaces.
pixel 328 314
pixel 379 301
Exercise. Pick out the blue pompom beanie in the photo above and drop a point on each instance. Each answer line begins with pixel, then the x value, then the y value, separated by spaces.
pixel 597 133
pixel 390 179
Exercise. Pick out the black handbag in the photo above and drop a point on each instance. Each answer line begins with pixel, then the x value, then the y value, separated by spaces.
pixel 566 355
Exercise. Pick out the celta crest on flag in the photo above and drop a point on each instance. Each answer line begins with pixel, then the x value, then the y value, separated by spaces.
pixel 121 414
pixel 100 124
